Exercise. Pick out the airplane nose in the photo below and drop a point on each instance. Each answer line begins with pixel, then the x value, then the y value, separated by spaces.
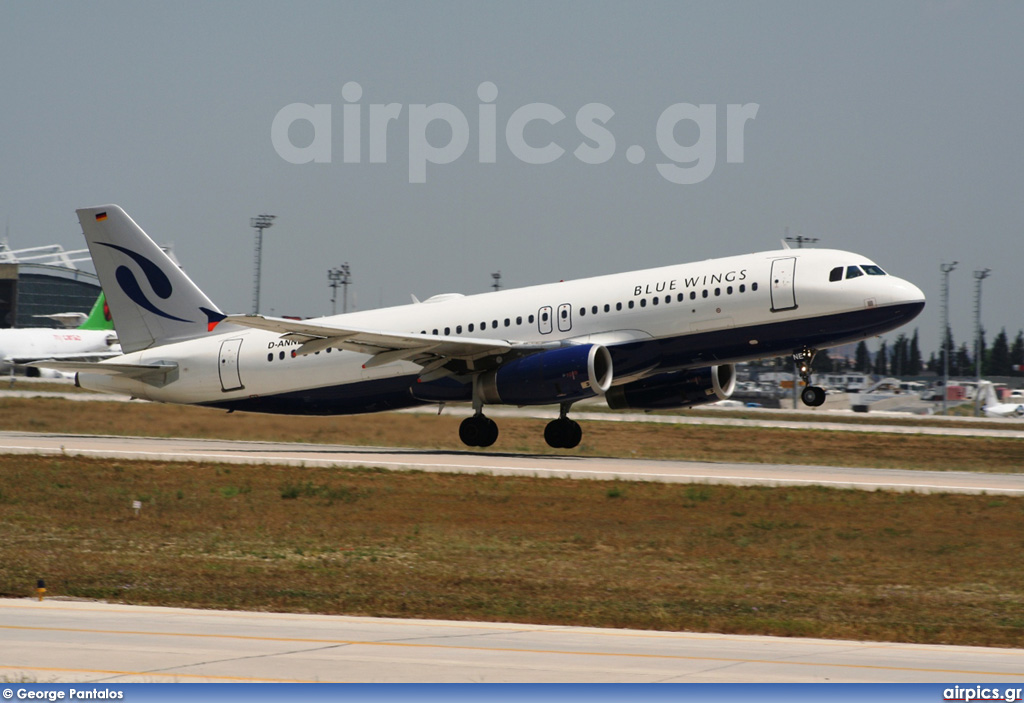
pixel 907 296
pixel 907 292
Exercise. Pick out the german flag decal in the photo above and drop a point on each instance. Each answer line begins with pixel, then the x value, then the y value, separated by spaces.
pixel 100 216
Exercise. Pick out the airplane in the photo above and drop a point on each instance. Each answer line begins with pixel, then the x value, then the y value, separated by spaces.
pixel 93 339
pixel 991 406
pixel 660 338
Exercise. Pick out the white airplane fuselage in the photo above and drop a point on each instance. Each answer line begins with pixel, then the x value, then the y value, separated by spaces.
pixel 654 321
pixel 30 344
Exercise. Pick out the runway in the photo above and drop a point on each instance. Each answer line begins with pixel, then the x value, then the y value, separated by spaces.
pixel 494 463
pixel 90 642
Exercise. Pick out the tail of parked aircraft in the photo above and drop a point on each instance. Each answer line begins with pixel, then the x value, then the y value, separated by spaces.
pixel 99 317
pixel 151 300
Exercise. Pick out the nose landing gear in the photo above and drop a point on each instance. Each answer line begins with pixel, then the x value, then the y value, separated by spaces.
pixel 812 396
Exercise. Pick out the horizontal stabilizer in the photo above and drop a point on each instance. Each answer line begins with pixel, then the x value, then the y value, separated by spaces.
pixel 153 374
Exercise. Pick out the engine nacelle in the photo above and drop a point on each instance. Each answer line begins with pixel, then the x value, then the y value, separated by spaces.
pixel 555 376
pixel 683 389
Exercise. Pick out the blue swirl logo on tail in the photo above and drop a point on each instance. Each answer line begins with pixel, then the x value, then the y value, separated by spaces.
pixel 157 279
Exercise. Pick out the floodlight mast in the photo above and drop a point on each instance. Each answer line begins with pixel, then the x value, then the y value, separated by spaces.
pixel 339 276
pixel 979 276
pixel 800 239
pixel 259 223
pixel 946 270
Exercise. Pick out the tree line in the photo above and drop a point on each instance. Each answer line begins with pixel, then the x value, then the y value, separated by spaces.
pixel 903 358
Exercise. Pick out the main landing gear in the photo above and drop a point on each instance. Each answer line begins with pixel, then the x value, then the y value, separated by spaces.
pixel 563 433
pixel 481 431
pixel 478 431
pixel 813 396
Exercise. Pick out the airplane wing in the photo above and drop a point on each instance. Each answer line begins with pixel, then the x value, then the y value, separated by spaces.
pixel 433 352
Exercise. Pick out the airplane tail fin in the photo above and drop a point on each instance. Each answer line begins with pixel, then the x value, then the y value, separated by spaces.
pixel 151 299
pixel 99 317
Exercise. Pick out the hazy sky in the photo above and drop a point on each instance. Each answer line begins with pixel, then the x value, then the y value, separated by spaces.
pixel 889 129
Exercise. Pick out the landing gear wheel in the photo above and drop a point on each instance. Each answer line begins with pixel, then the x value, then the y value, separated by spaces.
pixel 563 433
pixel 813 396
pixel 478 431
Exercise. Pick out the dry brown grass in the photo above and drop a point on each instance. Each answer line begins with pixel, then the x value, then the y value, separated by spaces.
pixel 639 440
pixel 798 561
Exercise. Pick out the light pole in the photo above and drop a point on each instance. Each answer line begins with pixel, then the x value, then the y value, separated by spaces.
pixel 259 223
pixel 339 276
pixel 979 276
pixel 497 281
pixel 946 270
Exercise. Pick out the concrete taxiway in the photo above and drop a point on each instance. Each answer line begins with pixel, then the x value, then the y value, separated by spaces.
pixel 289 454
pixel 67 641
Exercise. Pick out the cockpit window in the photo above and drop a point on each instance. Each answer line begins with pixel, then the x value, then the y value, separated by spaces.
pixel 872 270
pixel 836 274
pixel 853 272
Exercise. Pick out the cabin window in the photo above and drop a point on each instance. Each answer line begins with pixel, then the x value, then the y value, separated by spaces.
pixel 643 302
pixel 753 286
pixel 270 356
pixel 447 331
pixel 704 293
pixel 470 328
pixel 508 322
pixel 607 307
pixel 693 295
pixel 729 290
pixel 718 292
pixel 655 300
pixel 281 356
pixel 835 274
pixel 458 329
pixel 618 306
pixel 583 311
pixel 743 288
pixel 680 297
pixel 530 319
pixel 632 304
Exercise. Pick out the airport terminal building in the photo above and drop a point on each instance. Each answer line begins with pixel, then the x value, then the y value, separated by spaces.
pixel 43 281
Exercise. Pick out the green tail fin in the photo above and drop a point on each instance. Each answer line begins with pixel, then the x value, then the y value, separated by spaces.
pixel 99 317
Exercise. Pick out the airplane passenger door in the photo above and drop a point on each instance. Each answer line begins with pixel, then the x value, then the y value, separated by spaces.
pixel 544 320
pixel 564 317
pixel 783 286
pixel 230 379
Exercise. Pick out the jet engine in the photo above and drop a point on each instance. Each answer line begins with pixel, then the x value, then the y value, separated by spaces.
pixel 554 376
pixel 682 389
